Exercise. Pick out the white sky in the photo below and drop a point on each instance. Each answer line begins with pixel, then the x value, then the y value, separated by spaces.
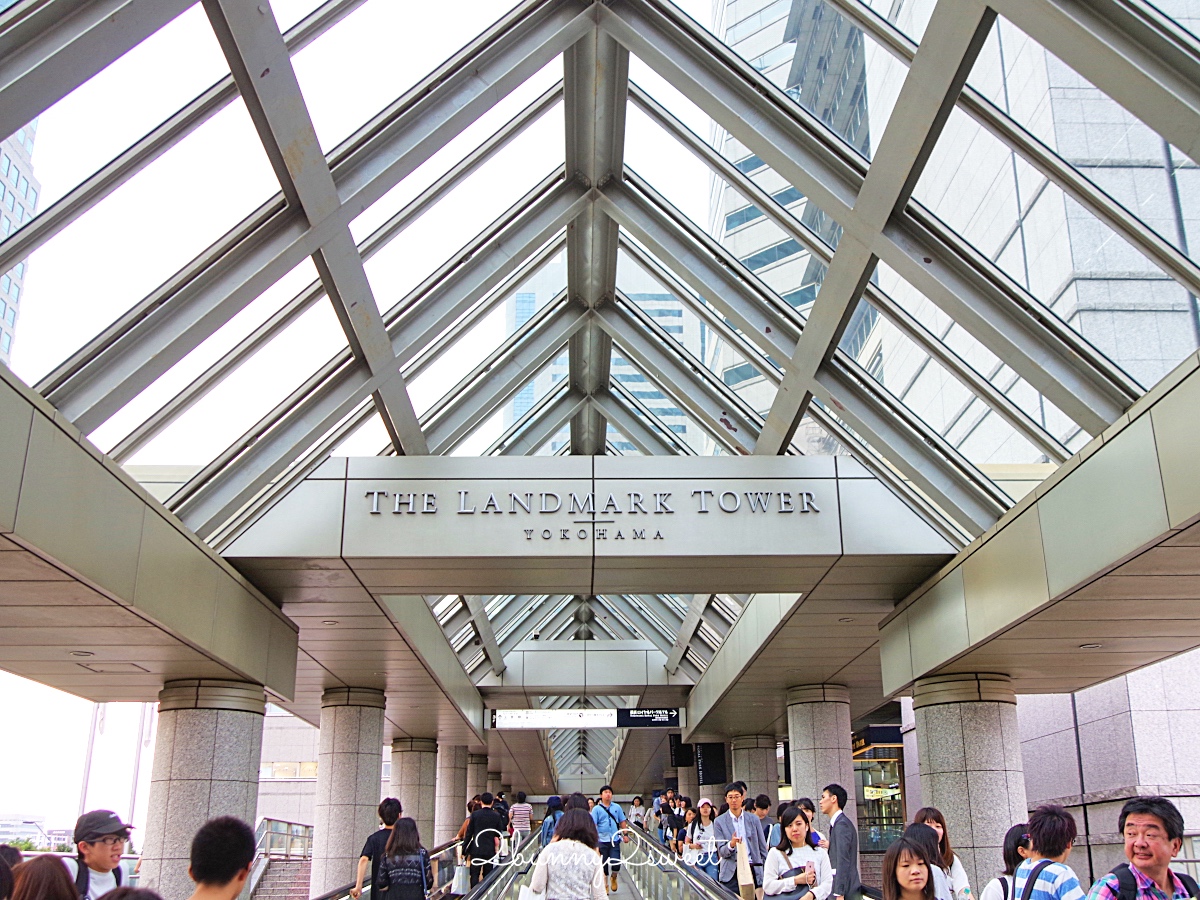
pixel 101 265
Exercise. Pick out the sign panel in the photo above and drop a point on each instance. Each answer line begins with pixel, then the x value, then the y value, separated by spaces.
pixel 682 755
pixel 647 718
pixel 877 792
pixel 532 719
pixel 710 764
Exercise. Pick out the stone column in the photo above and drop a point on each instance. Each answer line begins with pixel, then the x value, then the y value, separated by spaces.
pixel 493 782
pixel 349 769
pixel 450 808
pixel 206 757
pixel 414 772
pixel 755 763
pixel 689 786
pixel 477 774
pixel 971 766
pixel 820 745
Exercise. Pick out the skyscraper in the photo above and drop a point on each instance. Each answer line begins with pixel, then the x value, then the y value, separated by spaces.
pixel 19 191
pixel 1054 248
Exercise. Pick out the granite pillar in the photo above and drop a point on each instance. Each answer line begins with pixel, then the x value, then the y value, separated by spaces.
pixel 493 782
pixel 820 744
pixel 477 774
pixel 451 793
pixel 414 781
pixel 206 757
pixel 755 762
pixel 349 769
pixel 971 767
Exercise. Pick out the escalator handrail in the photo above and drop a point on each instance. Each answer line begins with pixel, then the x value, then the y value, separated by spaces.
pixel 506 872
pixel 705 885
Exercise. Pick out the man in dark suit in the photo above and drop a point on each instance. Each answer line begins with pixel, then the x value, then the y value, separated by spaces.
pixel 736 826
pixel 843 845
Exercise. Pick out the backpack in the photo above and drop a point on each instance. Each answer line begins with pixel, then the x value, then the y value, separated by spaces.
pixel 83 877
pixel 1128 883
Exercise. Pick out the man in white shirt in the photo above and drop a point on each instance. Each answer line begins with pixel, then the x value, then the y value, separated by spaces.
pixel 100 838
pixel 843 844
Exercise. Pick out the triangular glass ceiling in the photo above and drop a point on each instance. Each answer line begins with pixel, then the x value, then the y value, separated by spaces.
pixel 391 282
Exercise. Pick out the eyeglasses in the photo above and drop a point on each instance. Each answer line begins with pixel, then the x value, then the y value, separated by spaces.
pixel 111 840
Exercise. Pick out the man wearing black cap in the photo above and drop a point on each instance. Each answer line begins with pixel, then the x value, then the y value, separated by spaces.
pixel 100 838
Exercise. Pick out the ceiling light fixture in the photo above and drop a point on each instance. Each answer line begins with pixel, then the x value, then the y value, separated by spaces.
pixel 82 653
pixel 329 622
pixel 1090 646
pixel 846 619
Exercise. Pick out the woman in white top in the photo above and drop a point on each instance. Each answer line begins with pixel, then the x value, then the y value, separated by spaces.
pixel 956 875
pixel 569 867
pixel 700 840
pixel 1016 851
pixel 814 880
pixel 637 813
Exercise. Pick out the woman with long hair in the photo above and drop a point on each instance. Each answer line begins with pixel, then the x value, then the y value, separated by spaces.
pixel 554 812
pixel 404 871
pixel 681 848
pixel 1016 851
pixel 6 879
pixel 569 868
pixel 43 878
pixel 473 804
pixel 700 840
pixel 637 813
pixel 794 867
pixel 960 886
pixel 926 838
pixel 906 871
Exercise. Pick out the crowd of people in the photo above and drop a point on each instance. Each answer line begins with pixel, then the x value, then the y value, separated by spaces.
pixel 739 845
pixel 222 853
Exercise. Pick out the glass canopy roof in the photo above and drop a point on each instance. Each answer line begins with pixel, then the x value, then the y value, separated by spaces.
pixel 937 236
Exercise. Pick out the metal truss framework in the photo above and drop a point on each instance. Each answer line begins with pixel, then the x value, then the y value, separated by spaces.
pixel 596 208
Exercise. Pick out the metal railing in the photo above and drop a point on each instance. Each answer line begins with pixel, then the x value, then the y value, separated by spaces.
pixel 659 875
pixel 278 838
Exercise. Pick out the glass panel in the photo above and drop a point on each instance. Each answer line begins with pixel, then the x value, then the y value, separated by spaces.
pixel 139 236
pixel 821 60
pixel 1075 264
pixel 110 111
pixel 910 16
pixel 354 70
pixel 460 215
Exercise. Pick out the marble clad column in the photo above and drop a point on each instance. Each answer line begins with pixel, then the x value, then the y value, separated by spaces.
pixel 477 775
pixel 414 774
pixel 971 767
pixel 206 755
pixel 493 782
pixel 755 763
pixel 820 744
pixel 349 769
pixel 689 786
pixel 451 792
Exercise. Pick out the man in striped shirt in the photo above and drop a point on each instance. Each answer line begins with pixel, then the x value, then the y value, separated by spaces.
pixel 1045 875
pixel 519 815
pixel 1153 832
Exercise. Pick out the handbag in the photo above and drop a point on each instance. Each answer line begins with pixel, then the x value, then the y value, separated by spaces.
pixel 528 893
pixel 745 877
pixel 797 892
pixel 461 883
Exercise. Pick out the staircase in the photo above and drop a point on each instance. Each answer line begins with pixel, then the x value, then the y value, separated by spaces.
pixel 285 879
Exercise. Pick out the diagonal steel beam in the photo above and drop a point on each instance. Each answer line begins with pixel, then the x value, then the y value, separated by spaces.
pixel 501 375
pixel 1135 53
pixel 85 195
pixel 541 422
pixel 483 627
pixel 641 434
pixel 49 49
pixel 128 356
pixel 953 38
pixel 261 66
pixel 1004 317
pixel 637 407
pixel 595 85
pixel 687 630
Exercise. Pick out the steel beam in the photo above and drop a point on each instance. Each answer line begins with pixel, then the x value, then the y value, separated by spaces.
pixel 49 49
pixel 638 408
pixel 483 627
pixel 1015 326
pixel 501 375
pixel 953 38
pixel 687 631
pixel 540 423
pixel 118 364
pixel 85 195
pixel 685 379
pixel 647 439
pixel 595 85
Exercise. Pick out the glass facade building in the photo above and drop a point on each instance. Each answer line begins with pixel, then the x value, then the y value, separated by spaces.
pixel 19 191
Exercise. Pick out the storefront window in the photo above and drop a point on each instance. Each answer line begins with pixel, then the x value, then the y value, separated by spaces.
pixel 879 786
